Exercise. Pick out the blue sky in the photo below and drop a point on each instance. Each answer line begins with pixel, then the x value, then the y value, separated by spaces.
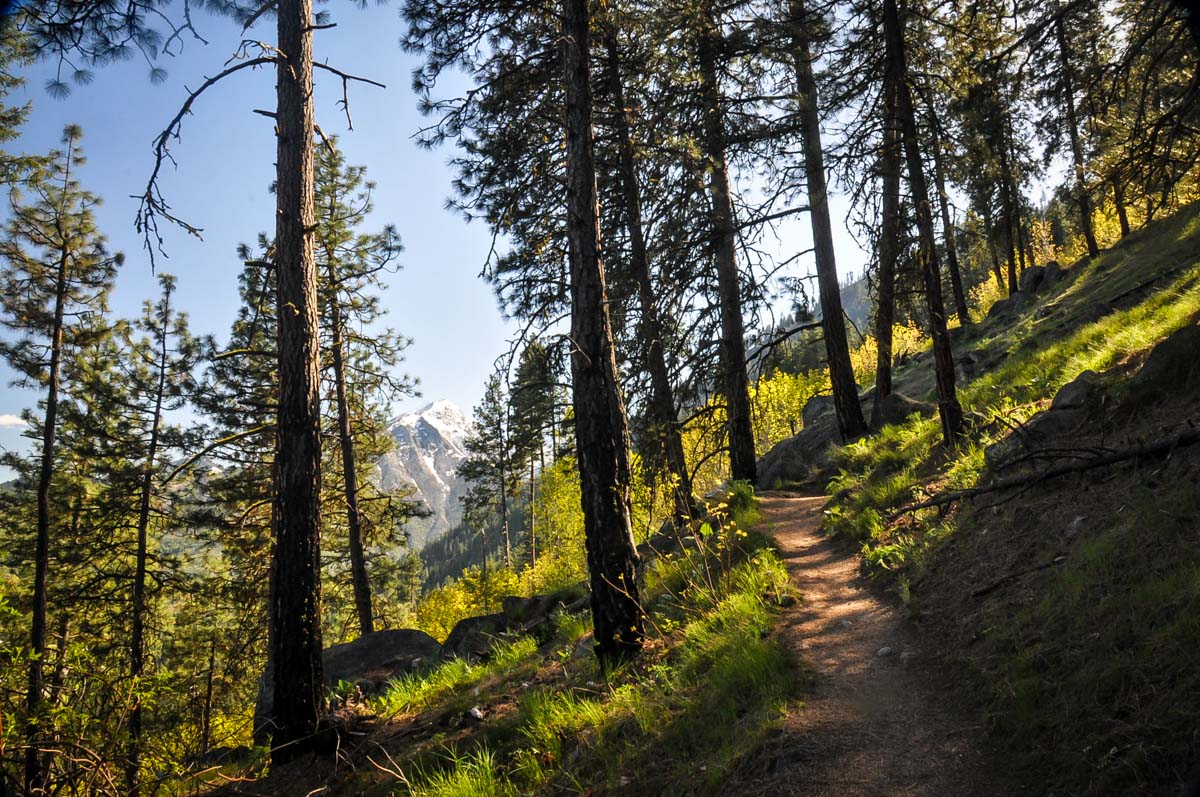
pixel 226 164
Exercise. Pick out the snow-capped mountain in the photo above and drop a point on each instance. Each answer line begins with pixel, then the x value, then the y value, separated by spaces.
pixel 429 448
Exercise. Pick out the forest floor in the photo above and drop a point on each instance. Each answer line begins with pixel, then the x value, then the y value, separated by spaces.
pixel 885 716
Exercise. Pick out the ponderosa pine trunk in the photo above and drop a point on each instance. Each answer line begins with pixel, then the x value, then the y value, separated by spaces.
pixel 296 598
pixel 742 463
pixel 1068 84
pixel 1119 201
pixel 1007 208
pixel 664 420
pixel 949 409
pixel 601 429
pixel 36 775
pixel 956 280
pixel 833 323
pixel 359 581
pixel 137 644
pixel 889 235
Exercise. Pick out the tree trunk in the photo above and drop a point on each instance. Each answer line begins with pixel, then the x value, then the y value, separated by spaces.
pixel 137 643
pixel 36 773
pixel 943 356
pixel 664 420
pixel 206 710
pixel 504 517
pixel 742 464
pixel 833 324
pixel 358 560
pixel 295 604
pixel 956 281
pixel 601 431
pixel 1085 204
pixel 532 517
pixel 889 234
pixel 1119 201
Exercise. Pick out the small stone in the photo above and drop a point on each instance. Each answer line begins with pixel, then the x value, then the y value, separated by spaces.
pixel 884 651
pixel 786 601
pixel 476 713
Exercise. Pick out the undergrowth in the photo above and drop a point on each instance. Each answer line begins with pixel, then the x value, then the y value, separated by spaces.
pixel 707 689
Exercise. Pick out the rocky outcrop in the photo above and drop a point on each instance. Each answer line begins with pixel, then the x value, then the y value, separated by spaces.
pixel 1072 406
pixel 474 638
pixel 805 457
pixel 1031 279
pixel 1172 369
pixel 373 659
pixel 896 408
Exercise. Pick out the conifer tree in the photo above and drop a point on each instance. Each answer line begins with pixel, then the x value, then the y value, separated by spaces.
pixel 56 280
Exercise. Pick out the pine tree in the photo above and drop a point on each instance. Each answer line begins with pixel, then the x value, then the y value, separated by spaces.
pixel 57 272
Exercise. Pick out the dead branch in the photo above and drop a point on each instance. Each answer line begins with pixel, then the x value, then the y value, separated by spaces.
pixel 346 78
pixel 1158 448
pixel 152 204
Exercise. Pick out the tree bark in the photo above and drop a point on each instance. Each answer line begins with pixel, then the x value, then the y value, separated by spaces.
pixel 742 463
pixel 1006 200
pixel 137 643
pixel 359 580
pixel 601 430
pixel 956 281
pixel 943 356
pixel 889 233
pixel 1085 204
pixel 833 323
pixel 665 422
pixel 1119 201
pixel 296 599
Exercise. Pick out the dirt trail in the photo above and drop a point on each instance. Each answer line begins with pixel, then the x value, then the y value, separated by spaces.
pixel 874 724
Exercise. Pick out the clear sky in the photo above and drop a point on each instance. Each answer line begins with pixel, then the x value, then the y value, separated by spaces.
pixel 226 164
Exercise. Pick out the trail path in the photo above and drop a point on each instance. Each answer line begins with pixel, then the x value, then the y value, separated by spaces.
pixel 873 724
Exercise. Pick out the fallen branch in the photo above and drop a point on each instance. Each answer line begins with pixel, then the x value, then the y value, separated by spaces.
pixel 1158 448
pixel 995 585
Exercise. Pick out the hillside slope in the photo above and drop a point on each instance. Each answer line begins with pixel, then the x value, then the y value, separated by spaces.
pixel 1073 602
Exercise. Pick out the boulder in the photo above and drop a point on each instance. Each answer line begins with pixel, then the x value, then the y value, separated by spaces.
pixel 1031 279
pixel 1079 394
pixel 1009 306
pixel 1039 432
pixel 1053 275
pixel 1172 369
pixel 816 407
pixel 896 408
pixel 473 638
pixel 373 659
pixel 804 457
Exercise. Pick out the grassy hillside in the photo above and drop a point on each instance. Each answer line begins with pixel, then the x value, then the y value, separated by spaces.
pixel 539 717
pixel 1074 602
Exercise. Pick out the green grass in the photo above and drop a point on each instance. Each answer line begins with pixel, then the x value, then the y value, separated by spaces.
pixel 1041 352
pixel 709 687
pixel 1089 677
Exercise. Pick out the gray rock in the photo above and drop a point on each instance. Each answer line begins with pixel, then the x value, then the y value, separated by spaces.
pixel 1038 433
pixel 473 638
pixel 896 408
pixel 1078 394
pixel 816 407
pixel 1009 306
pixel 803 458
pixel 1172 368
pixel 372 659
pixel 884 652
pixel 1031 279
pixel 1053 275
pixel 476 713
